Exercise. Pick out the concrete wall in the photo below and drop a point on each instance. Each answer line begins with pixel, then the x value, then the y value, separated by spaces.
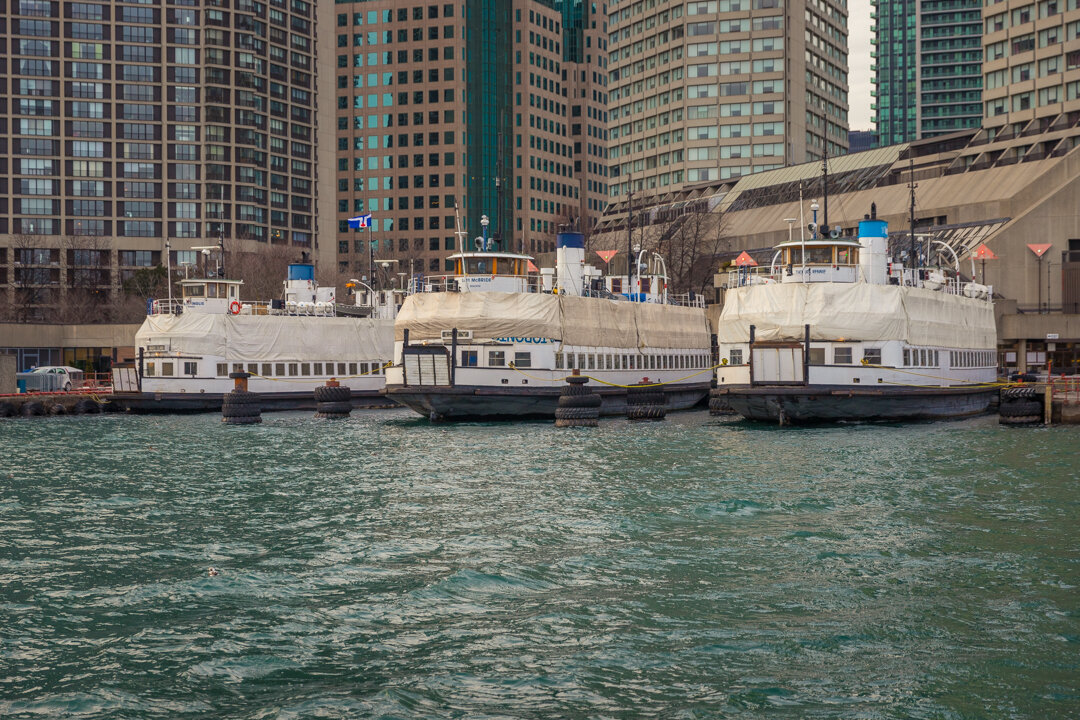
pixel 31 335
pixel 7 374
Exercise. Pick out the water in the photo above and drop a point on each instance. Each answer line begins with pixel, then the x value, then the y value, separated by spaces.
pixel 386 567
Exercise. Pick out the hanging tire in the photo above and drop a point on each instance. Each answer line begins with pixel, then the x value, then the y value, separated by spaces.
pixel 1018 393
pixel 89 407
pixel 577 413
pixel 334 408
pixel 241 411
pixel 646 397
pixel 250 420
pixel 6 409
pixel 575 390
pixel 58 409
pixel 1021 420
pixel 33 409
pixel 1020 408
pixel 646 412
pixel 329 394
pixel 580 401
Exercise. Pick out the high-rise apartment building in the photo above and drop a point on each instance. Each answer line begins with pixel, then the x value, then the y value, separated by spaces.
pixel 1031 68
pixel 711 90
pixel 127 125
pixel 927 68
pixel 494 107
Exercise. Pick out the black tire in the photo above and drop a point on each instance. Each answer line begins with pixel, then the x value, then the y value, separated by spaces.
pixel 719 406
pixel 1020 408
pixel 340 407
pixel 89 407
pixel 646 412
pixel 251 420
pixel 58 409
pixel 1021 420
pixel 325 394
pixel 33 409
pixel 575 390
pixel 6 409
pixel 67 386
pixel 242 411
pixel 577 423
pixel 646 397
pixel 239 397
pixel 577 413
pixel 1018 393
pixel 580 401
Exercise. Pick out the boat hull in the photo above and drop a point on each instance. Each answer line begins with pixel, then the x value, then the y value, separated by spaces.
pixel 176 403
pixel 836 403
pixel 465 402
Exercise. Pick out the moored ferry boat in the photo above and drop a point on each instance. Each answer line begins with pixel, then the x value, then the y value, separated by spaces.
pixel 834 331
pixel 187 347
pixel 494 340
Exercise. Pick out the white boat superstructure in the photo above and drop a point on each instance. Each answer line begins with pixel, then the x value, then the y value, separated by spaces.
pixel 498 336
pixel 188 346
pixel 833 330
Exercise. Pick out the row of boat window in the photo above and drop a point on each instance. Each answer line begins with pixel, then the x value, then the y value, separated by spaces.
pixel 302 369
pixel 496 358
pixel 610 361
pixel 190 368
pixel 972 358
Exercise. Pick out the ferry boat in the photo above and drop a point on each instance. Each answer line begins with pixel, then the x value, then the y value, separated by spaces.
pixel 187 347
pixel 496 338
pixel 833 330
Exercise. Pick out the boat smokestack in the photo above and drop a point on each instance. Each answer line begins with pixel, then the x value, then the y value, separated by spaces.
pixel 873 254
pixel 873 211
pixel 570 262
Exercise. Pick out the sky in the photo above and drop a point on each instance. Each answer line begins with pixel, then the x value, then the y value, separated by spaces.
pixel 859 113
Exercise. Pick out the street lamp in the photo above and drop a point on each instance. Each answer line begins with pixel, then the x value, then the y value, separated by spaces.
pixel 484 222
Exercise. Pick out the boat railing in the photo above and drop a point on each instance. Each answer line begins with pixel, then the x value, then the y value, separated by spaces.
pixel 165 307
pixel 448 283
pixel 253 307
pixel 928 278
pixel 686 300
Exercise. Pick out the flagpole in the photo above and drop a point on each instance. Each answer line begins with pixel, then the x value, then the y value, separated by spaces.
pixel 371 257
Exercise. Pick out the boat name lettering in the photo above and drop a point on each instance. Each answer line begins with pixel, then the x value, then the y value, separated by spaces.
pixel 525 340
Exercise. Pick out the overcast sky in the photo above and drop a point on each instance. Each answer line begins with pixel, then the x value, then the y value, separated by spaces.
pixel 859 113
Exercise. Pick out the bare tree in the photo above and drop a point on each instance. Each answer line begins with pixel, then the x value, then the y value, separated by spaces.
pixel 690 245
pixel 33 278
pixel 87 296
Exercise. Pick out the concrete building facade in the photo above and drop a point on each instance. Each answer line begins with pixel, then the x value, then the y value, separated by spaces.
pixel 712 90
pixel 493 108
pixel 128 128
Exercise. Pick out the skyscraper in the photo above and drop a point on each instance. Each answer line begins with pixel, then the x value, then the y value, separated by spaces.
pixel 714 89
pixel 926 68
pixel 128 125
pixel 498 113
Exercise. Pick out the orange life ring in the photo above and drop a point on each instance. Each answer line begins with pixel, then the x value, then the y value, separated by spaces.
pixel 234 307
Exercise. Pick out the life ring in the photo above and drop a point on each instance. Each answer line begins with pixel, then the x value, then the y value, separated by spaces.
pixel 234 307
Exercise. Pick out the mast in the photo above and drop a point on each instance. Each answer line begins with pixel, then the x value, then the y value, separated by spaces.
pixel 825 175
pixel 911 178
pixel 629 235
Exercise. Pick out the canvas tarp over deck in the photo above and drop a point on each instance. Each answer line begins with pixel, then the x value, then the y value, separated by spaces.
pixel 573 320
pixel 856 311
pixel 254 338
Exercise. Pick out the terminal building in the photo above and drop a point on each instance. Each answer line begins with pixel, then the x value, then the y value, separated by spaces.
pixel 1013 192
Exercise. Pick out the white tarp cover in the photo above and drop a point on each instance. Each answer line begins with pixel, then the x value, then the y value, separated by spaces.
pixel 253 338
pixel 573 320
pixel 856 311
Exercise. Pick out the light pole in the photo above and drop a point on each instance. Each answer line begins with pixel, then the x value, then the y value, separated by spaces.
pixel 484 222
pixel 814 207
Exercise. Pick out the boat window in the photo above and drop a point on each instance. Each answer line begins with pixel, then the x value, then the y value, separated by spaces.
pixel 845 256
pixel 211 290
pixel 166 369
pixel 569 361
pixel 907 357
pixel 279 369
pixel 736 356
pixel 497 358
pixel 150 369
pixel 341 369
pixel 352 368
pixel 872 356
pixel 645 284
pixel 468 358
pixel 191 368
pixel 194 291
pixel 267 371
pixel 816 356
pixel 933 358
pixel 294 369
pixel 558 361
pixel 616 285
pixel 363 369
pixel 253 368
pixel 842 356
pixel 592 361
pixel 223 369
pixel 522 359
pixel 317 369
pixel 609 365
pixel 478 266
pixel 794 256
pixel 819 255
pixel 581 361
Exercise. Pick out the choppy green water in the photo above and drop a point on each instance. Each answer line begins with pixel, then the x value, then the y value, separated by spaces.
pixel 385 567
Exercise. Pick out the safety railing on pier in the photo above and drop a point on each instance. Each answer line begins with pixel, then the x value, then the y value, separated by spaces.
pixel 929 278
pixel 1065 389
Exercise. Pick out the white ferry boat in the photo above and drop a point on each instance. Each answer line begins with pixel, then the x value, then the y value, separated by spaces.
pixel 834 330
pixel 496 338
pixel 187 347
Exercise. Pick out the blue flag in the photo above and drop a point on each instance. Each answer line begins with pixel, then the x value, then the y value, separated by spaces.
pixel 359 222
